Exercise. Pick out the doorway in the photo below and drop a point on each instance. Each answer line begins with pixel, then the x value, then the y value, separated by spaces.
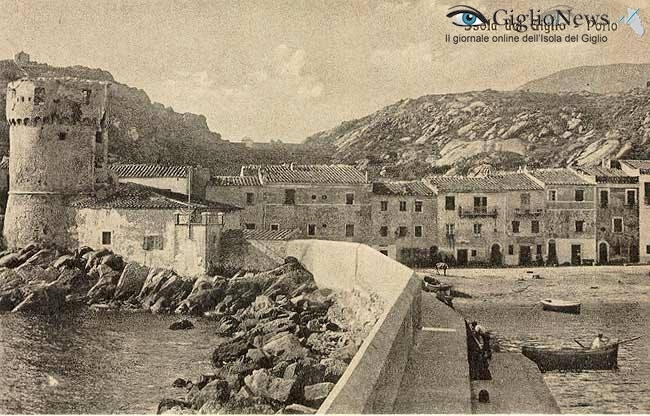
pixel 525 256
pixel 461 257
pixel 634 254
pixel 576 256
pixel 603 253
pixel 552 254
pixel 496 258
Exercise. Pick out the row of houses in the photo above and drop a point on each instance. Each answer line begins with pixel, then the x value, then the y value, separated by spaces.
pixel 573 215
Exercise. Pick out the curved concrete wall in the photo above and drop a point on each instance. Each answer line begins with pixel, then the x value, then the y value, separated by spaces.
pixel 372 380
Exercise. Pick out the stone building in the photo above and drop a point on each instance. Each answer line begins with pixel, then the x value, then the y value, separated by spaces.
pixel 154 227
pixel 491 220
pixel 403 221
pixel 58 147
pixel 330 202
pixel 21 58
pixel 641 169
pixel 179 179
pixel 570 216
pixel 617 214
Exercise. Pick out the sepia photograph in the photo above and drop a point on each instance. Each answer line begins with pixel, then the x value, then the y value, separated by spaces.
pixel 324 207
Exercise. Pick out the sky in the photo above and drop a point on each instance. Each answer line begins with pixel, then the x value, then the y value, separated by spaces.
pixel 286 69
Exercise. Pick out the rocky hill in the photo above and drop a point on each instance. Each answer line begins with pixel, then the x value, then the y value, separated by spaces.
pixel 602 79
pixel 457 132
pixel 145 132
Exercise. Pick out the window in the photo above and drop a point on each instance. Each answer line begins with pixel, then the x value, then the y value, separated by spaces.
pixel 511 250
pixel 477 229
pixel 450 203
pixel 515 227
pixel 402 232
pixel 480 204
pixel 384 252
pixel 311 229
pixel 98 137
pixel 552 195
pixel 106 238
pixel 473 253
pixel 86 96
pixel 289 197
pixel 580 226
pixel 324 197
pixel 349 199
pixel 313 197
pixel 534 226
pixel 249 225
pixel 274 227
pixel 647 249
pixel 383 231
pixel 383 205
pixel 349 230
pixel 402 205
pixel 418 206
pixel 418 231
pixel 525 199
pixel 250 198
pixel 152 242
pixel 646 189
pixel 539 249
pixel 604 198
pixel 62 135
pixel 450 229
pixel 580 195
pixel 630 197
pixel 617 225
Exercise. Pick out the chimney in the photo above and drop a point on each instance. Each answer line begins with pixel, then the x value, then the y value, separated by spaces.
pixel 241 171
pixel 291 166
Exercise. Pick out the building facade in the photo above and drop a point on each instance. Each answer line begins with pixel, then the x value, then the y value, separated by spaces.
pixel 617 214
pixel 570 216
pixel 641 169
pixel 185 180
pixel 245 192
pixel 493 220
pixel 404 221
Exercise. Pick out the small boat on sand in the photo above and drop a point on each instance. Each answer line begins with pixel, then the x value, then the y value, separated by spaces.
pixel 605 358
pixel 557 305
pixel 431 284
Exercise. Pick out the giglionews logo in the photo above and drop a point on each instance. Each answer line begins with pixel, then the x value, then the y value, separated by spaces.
pixel 559 17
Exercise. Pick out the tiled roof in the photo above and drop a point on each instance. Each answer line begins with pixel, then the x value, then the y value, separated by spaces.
pixel 334 174
pixel 415 188
pixel 4 163
pixel 149 171
pixel 637 164
pixel 135 196
pixel 235 181
pixel 559 176
pixel 601 171
pixel 494 183
pixel 281 235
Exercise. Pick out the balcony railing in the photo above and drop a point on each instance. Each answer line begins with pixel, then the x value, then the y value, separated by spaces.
pixel 528 212
pixel 477 212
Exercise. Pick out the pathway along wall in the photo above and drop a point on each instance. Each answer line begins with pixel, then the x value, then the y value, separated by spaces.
pixel 372 380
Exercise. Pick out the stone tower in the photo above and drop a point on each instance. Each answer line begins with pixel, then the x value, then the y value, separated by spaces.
pixel 58 143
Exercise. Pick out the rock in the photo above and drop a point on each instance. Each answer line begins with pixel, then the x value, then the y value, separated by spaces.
pixel 334 369
pixel 95 257
pixel 44 299
pixel 161 306
pixel 155 279
pixel 205 295
pixel 211 407
pixel 323 343
pixel 217 390
pixel 276 326
pixel 179 383
pixel 286 347
pixel 42 258
pixel 79 253
pixel 10 260
pixel 31 273
pixel 204 379
pixel 316 394
pixel 279 369
pixel 175 289
pixel 167 404
pixel 259 358
pixel 113 261
pixel 105 287
pixel 131 281
pixel 229 350
pixel 345 353
pixel 261 307
pixel 263 384
pixel 67 260
pixel 74 280
pixel 227 325
pixel 298 409
pixel 181 324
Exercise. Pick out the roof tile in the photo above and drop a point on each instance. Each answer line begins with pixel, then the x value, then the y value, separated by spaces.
pixel 493 183
pixel 235 181
pixel 149 171
pixel 414 188
pixel 559 176
pixel 281 235
pixel 334 174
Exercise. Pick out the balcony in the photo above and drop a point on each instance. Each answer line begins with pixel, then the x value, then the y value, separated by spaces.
pixel 528 212
pixel 477 212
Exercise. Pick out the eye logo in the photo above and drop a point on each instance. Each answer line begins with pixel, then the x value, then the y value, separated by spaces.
pixel 466 16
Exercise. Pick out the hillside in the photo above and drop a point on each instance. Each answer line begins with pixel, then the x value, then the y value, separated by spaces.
pixel 604 79
pixel 434 133
pixel 144 132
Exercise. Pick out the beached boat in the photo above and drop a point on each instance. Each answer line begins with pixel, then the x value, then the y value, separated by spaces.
pixel 605 358
pixel 556 305
pixel 431 284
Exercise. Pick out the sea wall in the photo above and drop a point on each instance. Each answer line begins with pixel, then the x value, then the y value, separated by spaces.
pixel 372 380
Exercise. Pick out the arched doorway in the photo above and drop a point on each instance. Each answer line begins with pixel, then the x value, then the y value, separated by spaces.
pixel 496 258
pixel 603 253
pixel 552 253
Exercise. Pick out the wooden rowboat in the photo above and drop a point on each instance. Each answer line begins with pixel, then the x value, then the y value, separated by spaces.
pixel 605 358
pixel 556 305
